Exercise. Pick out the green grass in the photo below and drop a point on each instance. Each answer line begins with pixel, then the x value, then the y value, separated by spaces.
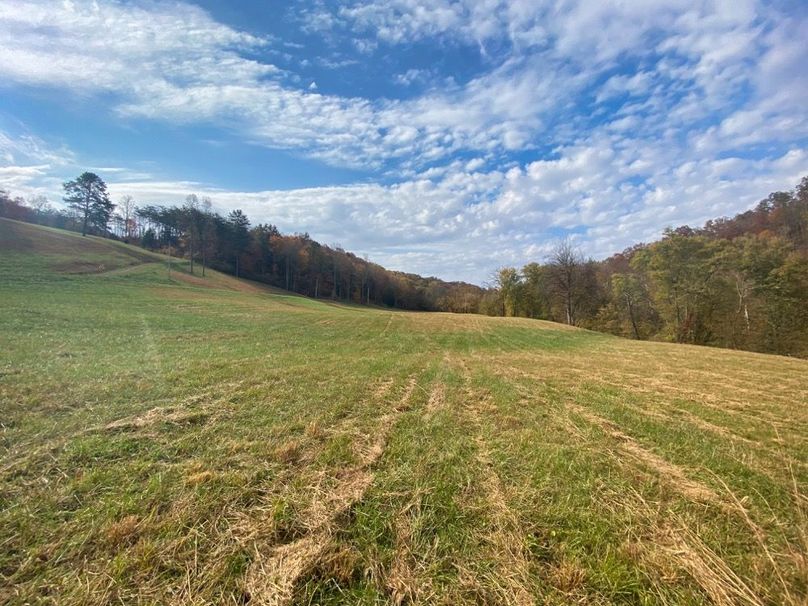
pixel 212 441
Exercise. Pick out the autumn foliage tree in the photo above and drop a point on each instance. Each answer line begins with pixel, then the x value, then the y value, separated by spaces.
pixel 738 282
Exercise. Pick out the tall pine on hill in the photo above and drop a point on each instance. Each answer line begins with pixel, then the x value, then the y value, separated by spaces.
pixel 88 196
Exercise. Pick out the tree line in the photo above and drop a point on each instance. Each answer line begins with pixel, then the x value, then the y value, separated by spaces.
pixel 231 244
pixel 739 282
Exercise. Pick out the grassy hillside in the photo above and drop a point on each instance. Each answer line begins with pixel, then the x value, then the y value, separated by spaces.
pixel 209 441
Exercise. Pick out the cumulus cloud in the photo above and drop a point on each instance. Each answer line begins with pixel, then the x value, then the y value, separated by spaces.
pixel 609 120
pixel 463 224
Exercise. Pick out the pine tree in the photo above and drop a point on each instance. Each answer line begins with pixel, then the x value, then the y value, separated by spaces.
pixel 88 196
pixel 239 235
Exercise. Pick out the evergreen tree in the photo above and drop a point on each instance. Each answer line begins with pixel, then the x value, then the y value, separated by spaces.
pixel 88 196
pixel 239 235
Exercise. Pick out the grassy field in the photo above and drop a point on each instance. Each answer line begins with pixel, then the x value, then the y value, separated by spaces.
pixel 180 440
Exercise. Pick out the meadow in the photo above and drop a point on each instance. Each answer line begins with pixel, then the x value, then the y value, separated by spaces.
pixel 174 439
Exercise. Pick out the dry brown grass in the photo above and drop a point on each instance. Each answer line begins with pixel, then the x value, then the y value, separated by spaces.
pixel 667 471
pixel 276 570
pixel 159 415
pixel 123 531
pixel 199 478
pixel 437 398
pixel 403 580
pixel 504 539
pixel 273 575
pixel 712 573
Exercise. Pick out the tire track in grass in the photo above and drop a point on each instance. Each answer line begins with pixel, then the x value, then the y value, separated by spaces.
pixel 437 399
pixel 387 326
pixel 404 580
pixel 645 383
pixel 673 544
pixel 271 580
pixel 505 538
pixel 272 577
pixel 407 580
pixel 147 337
pixel 665 469
pixel 767 450
pixel 669 472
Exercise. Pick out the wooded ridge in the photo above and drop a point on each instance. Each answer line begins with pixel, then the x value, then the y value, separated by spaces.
pixel 738 282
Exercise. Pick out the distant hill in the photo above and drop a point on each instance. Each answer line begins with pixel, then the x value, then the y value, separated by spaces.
pixel 739 283
pixel 295 262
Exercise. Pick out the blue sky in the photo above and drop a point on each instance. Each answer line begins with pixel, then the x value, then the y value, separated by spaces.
pixel 444 137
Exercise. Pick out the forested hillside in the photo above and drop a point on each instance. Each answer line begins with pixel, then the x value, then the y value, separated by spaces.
pixel 231 244
pixel 737 282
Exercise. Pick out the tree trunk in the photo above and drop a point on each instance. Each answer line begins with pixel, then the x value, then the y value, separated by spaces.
pixel 86 217
pixel 568 304
pixel 740 287
pixel 633 319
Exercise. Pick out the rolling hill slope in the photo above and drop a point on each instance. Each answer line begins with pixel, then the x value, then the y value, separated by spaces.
pixel 184 440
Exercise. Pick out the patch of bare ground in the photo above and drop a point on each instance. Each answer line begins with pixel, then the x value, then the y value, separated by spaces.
pixel 667 471
pixel 276 570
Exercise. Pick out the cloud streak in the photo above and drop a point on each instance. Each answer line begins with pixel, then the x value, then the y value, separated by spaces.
pixel 606 120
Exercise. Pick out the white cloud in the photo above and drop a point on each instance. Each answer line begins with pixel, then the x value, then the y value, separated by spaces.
pixel 656 113
pixel 17 179
pixel 411 76
pixel 174 63
pixel 463 224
